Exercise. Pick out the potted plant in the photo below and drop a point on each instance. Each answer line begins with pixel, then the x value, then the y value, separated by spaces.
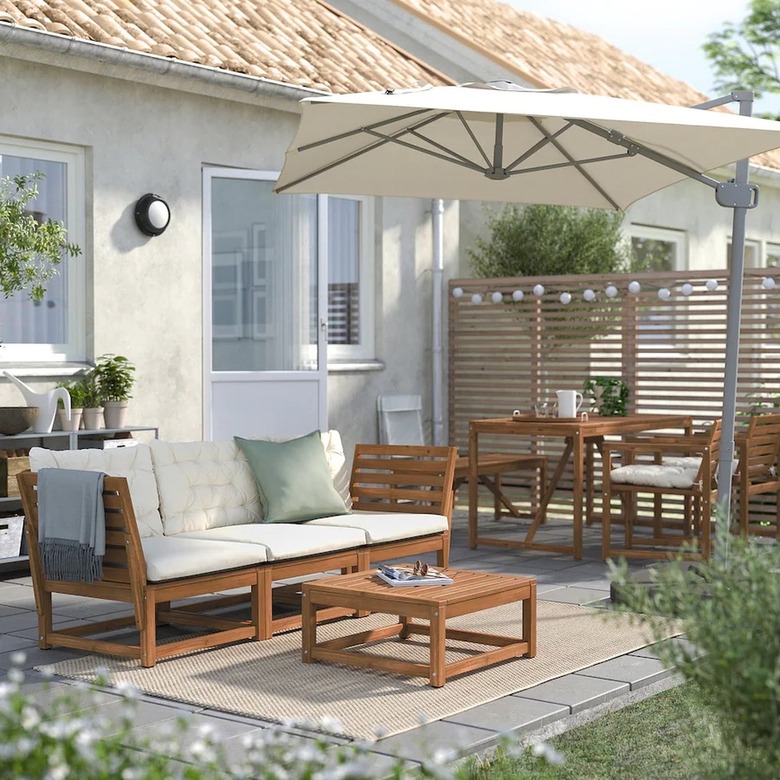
pixel 114 377
pixel 93 405
pixel 78 395
pixel 608 395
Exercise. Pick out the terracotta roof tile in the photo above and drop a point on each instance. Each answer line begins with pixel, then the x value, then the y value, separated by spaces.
pixel 303 43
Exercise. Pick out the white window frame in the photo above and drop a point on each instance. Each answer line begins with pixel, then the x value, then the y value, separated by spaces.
pixel 772 249
pixel 753 257
pixel 76 348
pixel 365 350
pixel 677 237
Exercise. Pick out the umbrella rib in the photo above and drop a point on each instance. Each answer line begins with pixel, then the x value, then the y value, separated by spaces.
pixel 358 130
pixel 574 164
pixel 467 128
pixel 535 148
pixel 635 147
pixel 577 164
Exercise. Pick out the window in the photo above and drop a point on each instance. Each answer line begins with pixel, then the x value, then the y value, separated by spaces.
pixel 657 249
pixel 54 329
pixel 752 254
pixel 350 279
pixel 772 255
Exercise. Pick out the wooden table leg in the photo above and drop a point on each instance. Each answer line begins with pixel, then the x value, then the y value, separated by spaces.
pixel 578 457
pixel 473 486
pixel 438 674
pixel 529 621
pixel 308 627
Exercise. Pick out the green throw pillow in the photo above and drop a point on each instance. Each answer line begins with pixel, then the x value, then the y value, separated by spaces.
pixel 293 478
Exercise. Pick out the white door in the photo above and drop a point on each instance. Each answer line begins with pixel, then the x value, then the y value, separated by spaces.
pixel 265 336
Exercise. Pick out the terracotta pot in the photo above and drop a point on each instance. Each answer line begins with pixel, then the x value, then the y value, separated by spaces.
pixel 75 419
pixel 114 413
pixel 93 418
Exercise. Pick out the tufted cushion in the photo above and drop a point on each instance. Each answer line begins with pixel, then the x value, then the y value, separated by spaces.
pixel 133 463
pixel 652 475
pixel 286 540
pixel 168 558
pixel 203 484
pixel 387 526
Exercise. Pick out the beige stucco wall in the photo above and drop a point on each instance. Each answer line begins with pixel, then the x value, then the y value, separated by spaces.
pixel 146 299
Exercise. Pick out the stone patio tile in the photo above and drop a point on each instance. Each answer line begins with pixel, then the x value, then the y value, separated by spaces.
pixel 575 691
pixel 510 715
pixel 425 742
pixel 631 669
pixel 8 644
pixel 651 650
pixel 34 656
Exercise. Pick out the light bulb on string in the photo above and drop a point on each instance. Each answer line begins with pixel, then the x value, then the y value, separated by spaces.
pixel 476 299
pixel 664 294
pixel 686 289
pixel 611 291
pixel 588 295
pixel 497 297
pixel 769 283
pixel 538 290
pixel 517 296
pixel 634 287
pixel 457 292
pixel 711 284
pixel 565 298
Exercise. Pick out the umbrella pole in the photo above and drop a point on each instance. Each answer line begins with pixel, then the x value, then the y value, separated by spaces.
pixel 437 216
pixel 741 199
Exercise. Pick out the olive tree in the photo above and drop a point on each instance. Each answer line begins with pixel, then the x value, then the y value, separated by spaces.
pixel 30 249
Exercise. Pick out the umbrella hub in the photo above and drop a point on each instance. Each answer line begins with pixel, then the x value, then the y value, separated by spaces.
pixel 496 174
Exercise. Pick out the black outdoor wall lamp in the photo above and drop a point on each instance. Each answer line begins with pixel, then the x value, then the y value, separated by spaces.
pixel 152 214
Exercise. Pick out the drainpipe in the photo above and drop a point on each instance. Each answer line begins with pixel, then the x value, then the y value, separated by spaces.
pixel 437 414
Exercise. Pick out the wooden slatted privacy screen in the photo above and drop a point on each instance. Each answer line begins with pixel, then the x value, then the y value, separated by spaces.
pixel 671 353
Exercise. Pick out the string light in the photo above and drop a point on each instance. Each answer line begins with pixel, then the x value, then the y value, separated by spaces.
pixel 497 297
pixel 589 295
pixel 634 287
pixel 538 290
pixel 711 284
pixel 457 292
pixel 476 299
pixel 565 298
pixel 611 291
pixel 664 294
pixel 769 283
pixel 517 296
pixel 686 289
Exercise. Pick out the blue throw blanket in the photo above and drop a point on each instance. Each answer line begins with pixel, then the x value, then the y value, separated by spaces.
pixel 71 524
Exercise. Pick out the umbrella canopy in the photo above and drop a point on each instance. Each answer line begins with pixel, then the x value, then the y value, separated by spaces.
pixel 502 143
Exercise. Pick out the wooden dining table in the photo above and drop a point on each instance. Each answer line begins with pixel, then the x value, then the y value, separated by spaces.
pixel 583 435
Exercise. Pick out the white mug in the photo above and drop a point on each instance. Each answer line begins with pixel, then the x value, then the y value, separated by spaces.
pixel 569 402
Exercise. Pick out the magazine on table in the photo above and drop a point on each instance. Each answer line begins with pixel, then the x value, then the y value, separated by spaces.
pixel 405 575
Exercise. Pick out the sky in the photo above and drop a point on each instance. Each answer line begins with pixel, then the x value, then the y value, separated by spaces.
pixel 667 34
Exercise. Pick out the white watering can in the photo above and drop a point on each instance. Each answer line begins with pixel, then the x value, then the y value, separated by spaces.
pixel 46 402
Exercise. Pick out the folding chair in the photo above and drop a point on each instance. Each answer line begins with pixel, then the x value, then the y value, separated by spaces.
pixel 400 422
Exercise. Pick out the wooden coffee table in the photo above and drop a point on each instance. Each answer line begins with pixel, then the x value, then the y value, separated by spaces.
pixel 471 592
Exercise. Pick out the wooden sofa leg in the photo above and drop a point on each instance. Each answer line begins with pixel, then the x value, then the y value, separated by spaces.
pixel 44 620
pixel 263 604
pixel 148 630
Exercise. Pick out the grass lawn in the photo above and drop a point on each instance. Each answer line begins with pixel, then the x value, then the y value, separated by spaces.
pixel 665 736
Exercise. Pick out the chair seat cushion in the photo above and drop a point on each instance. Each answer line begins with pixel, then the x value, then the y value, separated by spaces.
pixel 652 475
pixel 387 526
pixel 285 540
pixel 168 558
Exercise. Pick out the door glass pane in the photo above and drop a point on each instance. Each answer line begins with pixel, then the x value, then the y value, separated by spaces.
pixel 343 271
pixel 264 277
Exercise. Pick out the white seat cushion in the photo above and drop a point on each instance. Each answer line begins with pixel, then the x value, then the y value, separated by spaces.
pixel 652 475
pixel 168 558
pixel 133 463
pixel 387 526
pixel 286 540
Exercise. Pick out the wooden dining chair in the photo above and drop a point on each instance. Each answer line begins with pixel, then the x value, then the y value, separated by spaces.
pixel 759 460
pixel 400 422
pixel 685 466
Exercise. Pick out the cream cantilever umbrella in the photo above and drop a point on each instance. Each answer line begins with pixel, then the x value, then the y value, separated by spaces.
pixel 501 142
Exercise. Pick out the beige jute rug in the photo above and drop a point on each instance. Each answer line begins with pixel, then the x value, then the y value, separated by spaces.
pixel 268 680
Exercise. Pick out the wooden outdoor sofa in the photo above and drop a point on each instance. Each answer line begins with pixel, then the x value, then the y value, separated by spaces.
pixel 401 506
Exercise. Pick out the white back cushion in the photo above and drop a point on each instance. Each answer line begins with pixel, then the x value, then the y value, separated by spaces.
pixel 204 484
pixel 133 463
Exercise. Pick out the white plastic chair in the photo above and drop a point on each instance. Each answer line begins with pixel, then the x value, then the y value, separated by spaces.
pixel 400 422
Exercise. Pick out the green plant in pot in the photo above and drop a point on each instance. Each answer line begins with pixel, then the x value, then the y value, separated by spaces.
pixel 79 396
pixel 608 395
pixel 114 378
pixel 93 405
